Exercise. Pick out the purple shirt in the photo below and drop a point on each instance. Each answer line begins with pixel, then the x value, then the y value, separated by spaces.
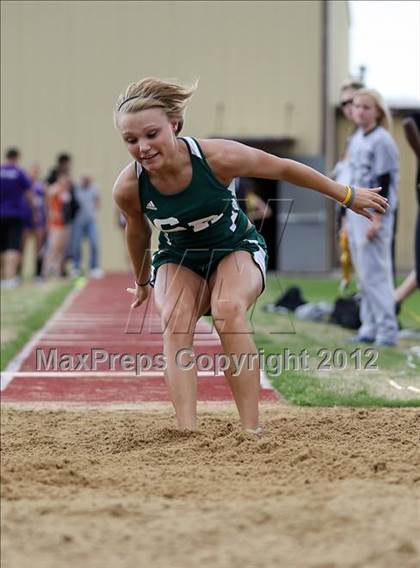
pixel 13 184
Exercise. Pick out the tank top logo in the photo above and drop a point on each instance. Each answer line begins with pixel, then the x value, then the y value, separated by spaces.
pixel 151 206
pixel 172 224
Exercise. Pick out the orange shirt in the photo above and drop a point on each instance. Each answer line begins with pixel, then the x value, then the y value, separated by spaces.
pixel 56 209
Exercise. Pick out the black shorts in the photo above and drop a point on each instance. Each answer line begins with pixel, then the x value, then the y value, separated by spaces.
pixel 11 234
pixel 204 261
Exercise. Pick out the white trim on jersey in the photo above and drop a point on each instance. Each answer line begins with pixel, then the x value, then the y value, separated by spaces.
pixel 195 150
pixel 259 257
pixel 232 187
pixel 138 168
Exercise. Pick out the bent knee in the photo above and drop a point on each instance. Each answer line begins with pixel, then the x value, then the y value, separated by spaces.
pixel 178 319
pixel 227 311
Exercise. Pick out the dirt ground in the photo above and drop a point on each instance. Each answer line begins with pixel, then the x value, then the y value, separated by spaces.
pixel 321 488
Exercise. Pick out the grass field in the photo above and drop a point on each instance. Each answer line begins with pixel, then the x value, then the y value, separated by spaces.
pixel 348 380
pixel 26 309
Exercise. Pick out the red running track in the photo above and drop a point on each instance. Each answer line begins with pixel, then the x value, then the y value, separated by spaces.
pixel 95 350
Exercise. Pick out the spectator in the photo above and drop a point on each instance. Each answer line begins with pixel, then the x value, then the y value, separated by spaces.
pixel 250 202
pixel 340 172
pixel 58 199
pixel 64 166
pixel 15 189
pixel 342 175
pixel 373 161
pixel 40 224
pixel 27 232
pixel 347 93
pixel 85 225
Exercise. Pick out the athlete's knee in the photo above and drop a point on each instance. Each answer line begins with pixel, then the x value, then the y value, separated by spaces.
pixel 179 319
pixel 227 311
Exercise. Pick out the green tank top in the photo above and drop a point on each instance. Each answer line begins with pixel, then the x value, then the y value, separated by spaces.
pixel 205 214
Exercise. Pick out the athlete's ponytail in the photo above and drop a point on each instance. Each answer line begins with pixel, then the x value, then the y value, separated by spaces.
pixel 156 93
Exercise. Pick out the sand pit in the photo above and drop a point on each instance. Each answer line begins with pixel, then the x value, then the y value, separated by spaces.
pixel 321 488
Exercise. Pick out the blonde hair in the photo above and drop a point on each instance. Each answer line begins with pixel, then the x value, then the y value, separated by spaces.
pixel 156 93
pixel 385 118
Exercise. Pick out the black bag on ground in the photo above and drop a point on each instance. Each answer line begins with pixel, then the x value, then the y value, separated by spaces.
pixel 291 299
pixel 346 312
pixel 287 302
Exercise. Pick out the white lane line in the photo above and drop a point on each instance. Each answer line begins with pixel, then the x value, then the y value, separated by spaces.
pixel 395 385
pixel 10 371
pixel 399 387
pixel 111 374
pixel 97 374
pixel 68 339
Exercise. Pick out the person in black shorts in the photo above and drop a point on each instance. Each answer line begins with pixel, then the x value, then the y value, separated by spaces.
pixel 15 193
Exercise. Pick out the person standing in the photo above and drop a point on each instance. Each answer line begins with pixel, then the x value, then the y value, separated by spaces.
pixel 58 199
pixel 85 225
pixel 15 193
pixel 373 161
pixel 64 166
pixel 40 224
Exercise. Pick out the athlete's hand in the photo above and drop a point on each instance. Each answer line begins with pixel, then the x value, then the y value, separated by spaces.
pixel 140 294
pixel 369 199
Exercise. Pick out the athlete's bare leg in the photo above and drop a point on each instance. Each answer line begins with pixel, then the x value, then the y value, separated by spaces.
pixel 234 287
pixel 181 297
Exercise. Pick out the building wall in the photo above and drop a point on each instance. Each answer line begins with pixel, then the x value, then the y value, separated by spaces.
pixel 339 57
pixel 338 64
pixel 64 63
pixel 407 210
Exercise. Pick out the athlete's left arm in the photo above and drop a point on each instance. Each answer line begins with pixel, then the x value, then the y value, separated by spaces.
pixel 230 159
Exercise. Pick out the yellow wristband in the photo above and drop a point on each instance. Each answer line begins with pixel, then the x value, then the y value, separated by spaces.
pixel 349 194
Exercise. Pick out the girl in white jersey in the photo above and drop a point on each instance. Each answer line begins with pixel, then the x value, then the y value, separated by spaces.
pixel 373 161
pixel 149 116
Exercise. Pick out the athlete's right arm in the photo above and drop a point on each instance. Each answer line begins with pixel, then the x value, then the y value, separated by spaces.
pixel 137 230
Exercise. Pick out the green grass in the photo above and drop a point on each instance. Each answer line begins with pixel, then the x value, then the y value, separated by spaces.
pixel 25 310
pixel 349 385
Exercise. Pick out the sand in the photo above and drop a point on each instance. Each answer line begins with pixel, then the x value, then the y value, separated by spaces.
pixel 321 488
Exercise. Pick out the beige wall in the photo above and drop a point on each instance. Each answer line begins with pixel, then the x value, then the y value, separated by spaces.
pixel 407 197
pixel 64 63
pixel 338 18
pixel 339 58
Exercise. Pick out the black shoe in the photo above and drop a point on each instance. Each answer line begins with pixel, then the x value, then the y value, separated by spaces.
pixel 360 339
pixel 385 343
